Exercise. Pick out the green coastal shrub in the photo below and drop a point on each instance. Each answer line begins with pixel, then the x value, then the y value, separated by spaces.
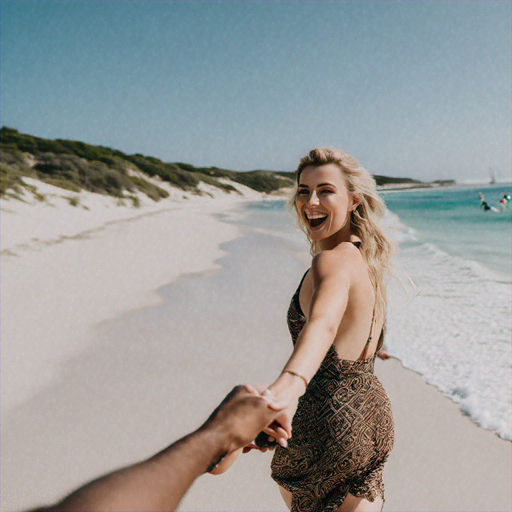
pixel 64 184
pixel 73 200
pixel 76 165
pixel 93 176
pixel 167 172
pixel 262 181
pixel 135 201
pixel 385 180
pixel 225 187
pixel 10 179
pixel 214 172
pixel 285 174
pixel 152 191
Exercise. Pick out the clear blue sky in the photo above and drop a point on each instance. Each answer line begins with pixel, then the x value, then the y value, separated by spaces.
pixel 411 88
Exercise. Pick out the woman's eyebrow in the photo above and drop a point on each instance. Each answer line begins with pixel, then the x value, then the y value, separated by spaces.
pixel 319 185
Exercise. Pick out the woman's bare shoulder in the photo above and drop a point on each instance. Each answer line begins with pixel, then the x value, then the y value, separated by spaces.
pixel 342 259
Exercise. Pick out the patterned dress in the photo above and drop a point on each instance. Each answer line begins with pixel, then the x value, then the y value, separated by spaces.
pixel 343 432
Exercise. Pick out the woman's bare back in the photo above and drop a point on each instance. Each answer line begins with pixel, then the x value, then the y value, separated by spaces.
pixel 356 325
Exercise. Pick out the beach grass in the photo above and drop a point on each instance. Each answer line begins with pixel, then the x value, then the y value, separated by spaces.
pixel 75 165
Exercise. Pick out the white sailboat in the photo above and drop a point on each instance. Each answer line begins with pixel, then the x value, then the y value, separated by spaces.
pixel 492 175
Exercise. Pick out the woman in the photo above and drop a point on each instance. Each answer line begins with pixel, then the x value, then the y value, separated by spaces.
pixel 342 428
pixel 342 432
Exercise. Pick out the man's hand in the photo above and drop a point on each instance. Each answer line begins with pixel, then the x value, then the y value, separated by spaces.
pixel 160 482
pixel 241 416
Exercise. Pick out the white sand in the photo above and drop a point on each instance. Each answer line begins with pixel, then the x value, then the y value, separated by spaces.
pixel 66 268
pixel 101 366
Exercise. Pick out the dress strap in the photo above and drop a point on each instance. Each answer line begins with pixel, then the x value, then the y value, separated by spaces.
pixel 302 280
pixel 362 357
pixel 297 293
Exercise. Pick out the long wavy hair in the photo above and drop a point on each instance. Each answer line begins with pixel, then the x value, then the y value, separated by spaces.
pixel 376 248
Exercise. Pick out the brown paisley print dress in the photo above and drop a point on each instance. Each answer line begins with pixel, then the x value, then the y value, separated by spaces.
pixel 342 432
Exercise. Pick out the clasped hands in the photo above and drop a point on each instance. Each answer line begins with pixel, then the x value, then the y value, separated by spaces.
pixel 249 410
pixel 280 430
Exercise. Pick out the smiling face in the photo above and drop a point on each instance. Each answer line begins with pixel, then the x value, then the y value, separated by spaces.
pixel 324 204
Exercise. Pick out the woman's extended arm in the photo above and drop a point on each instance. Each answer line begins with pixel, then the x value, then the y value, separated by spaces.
pixel 332 272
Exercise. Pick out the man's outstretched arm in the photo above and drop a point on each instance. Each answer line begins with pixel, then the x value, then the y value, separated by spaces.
pixel 160 482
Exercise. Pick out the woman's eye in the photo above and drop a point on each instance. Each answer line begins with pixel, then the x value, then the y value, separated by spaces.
pixel 327 191
pixel 302 192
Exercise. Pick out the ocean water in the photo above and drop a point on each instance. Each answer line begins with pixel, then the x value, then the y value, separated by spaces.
pixel 450 300
pixel 452 220
pixel 452 323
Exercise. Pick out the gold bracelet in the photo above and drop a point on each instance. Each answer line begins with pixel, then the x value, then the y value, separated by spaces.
pixel 295 374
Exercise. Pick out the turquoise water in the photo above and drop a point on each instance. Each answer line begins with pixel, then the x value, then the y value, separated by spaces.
pixel 449 218
pixel 453 220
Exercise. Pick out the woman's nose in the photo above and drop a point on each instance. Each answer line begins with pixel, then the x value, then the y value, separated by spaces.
pixel 313 199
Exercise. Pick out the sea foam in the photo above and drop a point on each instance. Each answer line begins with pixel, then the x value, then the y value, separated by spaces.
pixel 451 324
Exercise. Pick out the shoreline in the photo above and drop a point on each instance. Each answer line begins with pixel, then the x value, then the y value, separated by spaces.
pixel 441 460
pixel 448 323
pixel 52 424
pixel 446 397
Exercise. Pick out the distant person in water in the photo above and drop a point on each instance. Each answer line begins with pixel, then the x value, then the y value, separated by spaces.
pixel 485 206
pixel 505 201
pixel 483 203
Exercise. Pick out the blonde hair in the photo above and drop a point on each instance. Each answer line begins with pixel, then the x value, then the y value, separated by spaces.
pixel 376 248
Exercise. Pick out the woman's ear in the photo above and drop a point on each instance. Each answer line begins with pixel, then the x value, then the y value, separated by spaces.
pixel 355 203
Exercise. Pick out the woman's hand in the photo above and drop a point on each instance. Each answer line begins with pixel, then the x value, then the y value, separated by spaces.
pixel 254 446
pixel 283 395
pixel 383 354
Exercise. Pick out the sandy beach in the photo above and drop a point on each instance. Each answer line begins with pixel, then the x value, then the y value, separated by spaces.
pixel 122 328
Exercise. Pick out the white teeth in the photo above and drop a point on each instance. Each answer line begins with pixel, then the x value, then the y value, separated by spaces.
pixel 316 215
